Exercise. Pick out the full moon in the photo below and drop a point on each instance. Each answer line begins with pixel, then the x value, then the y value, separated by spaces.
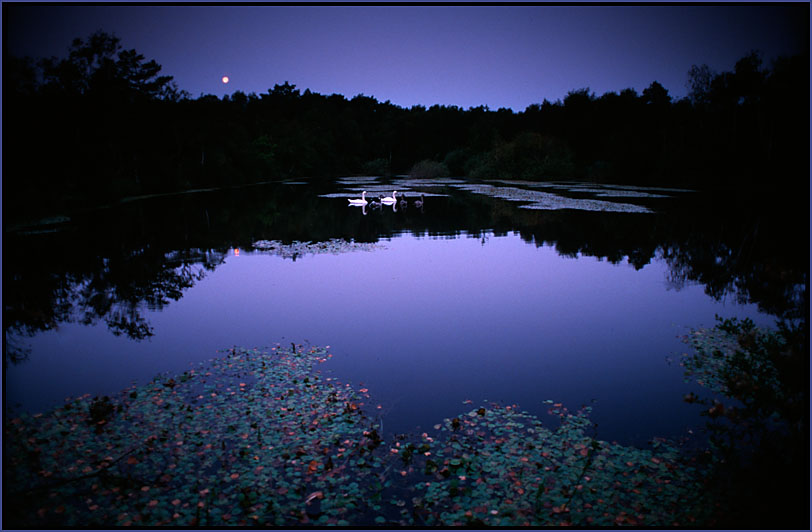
pixel 225 79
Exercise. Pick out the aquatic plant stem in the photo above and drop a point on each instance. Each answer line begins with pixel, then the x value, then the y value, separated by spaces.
pixel 593 446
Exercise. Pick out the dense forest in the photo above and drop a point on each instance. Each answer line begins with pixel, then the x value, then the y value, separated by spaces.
pixel 102 124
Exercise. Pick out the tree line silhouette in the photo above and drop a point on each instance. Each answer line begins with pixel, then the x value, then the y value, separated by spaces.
pixel 102 124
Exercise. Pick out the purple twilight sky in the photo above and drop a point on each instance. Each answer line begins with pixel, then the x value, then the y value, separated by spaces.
pixel 499 56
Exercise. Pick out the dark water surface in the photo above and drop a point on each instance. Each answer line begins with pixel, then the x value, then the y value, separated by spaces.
pixel 471 298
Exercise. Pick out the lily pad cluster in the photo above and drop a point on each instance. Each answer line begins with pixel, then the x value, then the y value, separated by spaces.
pixel 498 466
pixel 409 183
pixel 263 438
pixel 574 186
pixel 711 351
pixel 298 249
pixel 540 200
pixel 253 438
pixel 619 193
pixel 356 180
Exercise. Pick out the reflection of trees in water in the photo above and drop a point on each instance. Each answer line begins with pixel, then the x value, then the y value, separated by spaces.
pixel 149 253
pixel 117 291
pixel 753 259
pixel 777 289
pixel 746 255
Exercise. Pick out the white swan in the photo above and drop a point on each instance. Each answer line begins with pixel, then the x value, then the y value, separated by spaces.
pixel 390 199
pixel 362 201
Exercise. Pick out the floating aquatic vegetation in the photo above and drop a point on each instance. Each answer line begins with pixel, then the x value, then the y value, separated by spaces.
pixel 52 224
pixel 419 183
pixel 535 184
pixel 600 189
pixel 620 193
pixel 547 201
pixel 497 466
pixel 357 180
pixel 712 350
pixel 340 194
pixel 381 189
pixel 655 189
pixel 297 249
pixel 251 438
pixel 373 190
pixel 262 438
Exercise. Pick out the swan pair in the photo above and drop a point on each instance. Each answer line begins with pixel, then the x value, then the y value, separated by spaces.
pixel 389 200
pixel 363 201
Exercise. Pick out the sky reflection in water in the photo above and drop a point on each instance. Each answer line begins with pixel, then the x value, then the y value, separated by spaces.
pixel 424 323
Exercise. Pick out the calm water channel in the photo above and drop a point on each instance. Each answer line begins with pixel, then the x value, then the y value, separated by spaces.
pixel 509 292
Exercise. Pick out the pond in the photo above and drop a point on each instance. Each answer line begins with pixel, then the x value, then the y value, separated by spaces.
pixel 510 292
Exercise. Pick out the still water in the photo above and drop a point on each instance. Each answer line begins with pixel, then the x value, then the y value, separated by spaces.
pixel 472 297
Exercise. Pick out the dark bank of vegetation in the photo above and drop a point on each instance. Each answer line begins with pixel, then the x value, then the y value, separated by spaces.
pixel 103 124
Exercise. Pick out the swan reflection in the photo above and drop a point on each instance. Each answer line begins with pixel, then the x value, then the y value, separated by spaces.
pixel 362 205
